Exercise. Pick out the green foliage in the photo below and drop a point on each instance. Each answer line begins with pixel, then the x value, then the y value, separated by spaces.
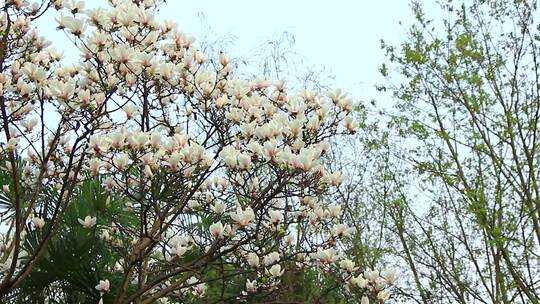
pixel 467 87
pixel 76 258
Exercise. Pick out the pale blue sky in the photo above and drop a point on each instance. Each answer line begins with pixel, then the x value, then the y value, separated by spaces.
pixel 341 36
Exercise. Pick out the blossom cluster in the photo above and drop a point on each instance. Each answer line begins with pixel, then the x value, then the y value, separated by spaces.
pixel 215 168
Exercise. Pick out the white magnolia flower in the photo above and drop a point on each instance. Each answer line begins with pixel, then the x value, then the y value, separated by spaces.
pixel 255 148
pixel 12 144
pixel 94 165
pixel 200 289
pixel 103 286
pixel 350 124
pixel 306 158
pixel 244 161
pixel 251 286
pixel 74 6
pixel 88 222
pixel 105 235
pixel 221 102
pixel 383 295
pixel 253 259
pixel 229 231
pixel 361 282
pixel 34 72
pixel 75 26
pixel 334 211
pixel 271 150
pixel 243 217
pixel 179 251
pixel 336 178
pixel 216 230
pixel 29 124
pixel 117 139
pixel 218 207
pixel 174 161
pixel 229 155
pixel 131 110
pixel 121 161
pixel 326 256
pixel 223 59
pixel 347 265
pixel 271 258
pixel 148 171
pixel 38 222
pixel 276 271
pixel 371 275
pixel 341 230
pixel 155 140
pixel 389 276
pixel 275 216
pixel 99 144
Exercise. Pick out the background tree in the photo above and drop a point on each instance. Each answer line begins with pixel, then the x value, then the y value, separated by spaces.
pixel 467 111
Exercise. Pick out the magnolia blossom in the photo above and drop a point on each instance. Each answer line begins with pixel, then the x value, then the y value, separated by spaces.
pixel 29 124
pixel 334 211
pixel 275 216
pixel 216 230
pixel 131 110
pixel 218 207
pixel 251 286
pixel 350 124
pixel 200 289
pixel 229 155
pixel 253 259
pixel 75 26
pixel 88 222
pixel 371 275
pixel 383 295
pixel 12 144
pixel 243 217
pixel 244 161
pixel 95 165
pixel 148 171
pixel 389 276
pixel 364 300
pixel 121 161
pixel 38 222
pixel 105 235
pixel 361 281
pixel 335 178
pixel 271 258
pixel 306 158
pixel 276 271
pixel 341 230
pixel 179 251
pixel 103 286
pixel 347 265
pixel 326 256
pixel 229 230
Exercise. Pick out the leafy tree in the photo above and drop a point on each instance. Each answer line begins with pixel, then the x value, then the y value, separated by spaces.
pixel 468 106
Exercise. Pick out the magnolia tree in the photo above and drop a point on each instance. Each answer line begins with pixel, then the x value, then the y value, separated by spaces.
pixel 186 176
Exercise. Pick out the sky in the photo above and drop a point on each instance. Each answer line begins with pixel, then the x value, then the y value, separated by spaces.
pixel 341 37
